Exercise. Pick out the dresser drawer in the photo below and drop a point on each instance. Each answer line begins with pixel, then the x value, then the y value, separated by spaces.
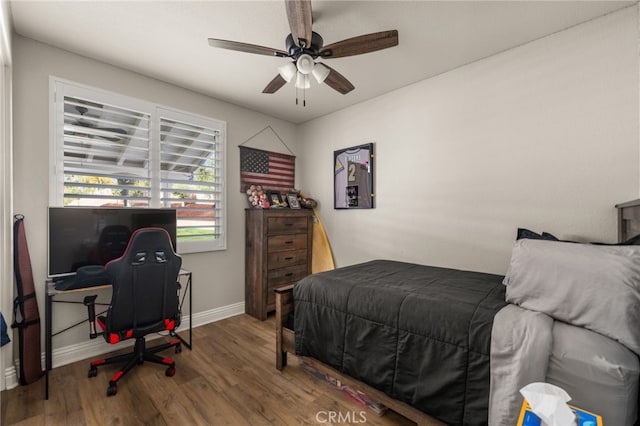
pixel 282 259
pixel 286 242
pixel 280 277
pixel 284 276
pixel 278 225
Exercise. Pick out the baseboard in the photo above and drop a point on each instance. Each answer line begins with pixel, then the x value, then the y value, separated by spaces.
pixel 93 348
pixel 11 377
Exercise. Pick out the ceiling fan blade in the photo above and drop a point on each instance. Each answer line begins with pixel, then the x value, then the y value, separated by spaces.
pixel 246 47
pixel 361 44
pixel 275 84
pixel 338 82
pixel 100 129
pixel 87 131
pixel 300 21
pixel 112 130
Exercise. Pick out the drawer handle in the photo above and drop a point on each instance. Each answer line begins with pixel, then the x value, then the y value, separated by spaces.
pixel 288 274
pixel 289 242
pixel 288 258
pixel 288 224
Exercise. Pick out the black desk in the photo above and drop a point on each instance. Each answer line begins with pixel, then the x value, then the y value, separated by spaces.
pixel 51 293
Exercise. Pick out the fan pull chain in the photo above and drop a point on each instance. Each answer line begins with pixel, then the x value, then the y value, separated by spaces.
pixel 304 96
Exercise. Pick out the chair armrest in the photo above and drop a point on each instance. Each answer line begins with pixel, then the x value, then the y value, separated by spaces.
pixel 90 303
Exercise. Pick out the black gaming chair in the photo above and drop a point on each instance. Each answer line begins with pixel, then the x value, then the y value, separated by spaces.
pixel 145 300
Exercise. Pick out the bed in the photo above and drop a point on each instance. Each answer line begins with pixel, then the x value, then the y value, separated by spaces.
pixel 447 346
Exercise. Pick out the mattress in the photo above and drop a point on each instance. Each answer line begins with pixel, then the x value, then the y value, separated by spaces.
pixel 600 374
pixel 583 305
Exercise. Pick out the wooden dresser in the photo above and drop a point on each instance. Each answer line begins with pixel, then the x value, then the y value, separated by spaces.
pixel 277 253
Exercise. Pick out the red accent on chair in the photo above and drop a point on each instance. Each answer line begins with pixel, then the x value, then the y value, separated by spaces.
pixel 169 324
pixel 114 338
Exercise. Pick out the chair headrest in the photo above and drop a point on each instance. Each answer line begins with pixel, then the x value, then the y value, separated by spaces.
pixel 147 245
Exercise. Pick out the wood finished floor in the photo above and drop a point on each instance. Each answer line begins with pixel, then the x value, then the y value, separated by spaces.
pixel 229 378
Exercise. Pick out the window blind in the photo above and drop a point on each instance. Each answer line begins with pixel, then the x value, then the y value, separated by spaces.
pixel 105 155
pixel 112 150
pixel 190 165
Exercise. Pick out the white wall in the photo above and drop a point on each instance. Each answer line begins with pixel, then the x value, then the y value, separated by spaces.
pixel 6 186
pixel 543 136
pixel 218 276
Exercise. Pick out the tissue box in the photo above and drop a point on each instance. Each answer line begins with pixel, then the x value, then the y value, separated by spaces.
pixel 585 418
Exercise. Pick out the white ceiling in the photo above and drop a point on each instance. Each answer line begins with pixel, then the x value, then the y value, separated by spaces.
pixel 167 40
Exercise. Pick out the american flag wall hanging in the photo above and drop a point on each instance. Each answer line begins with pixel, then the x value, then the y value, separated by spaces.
pixel 271 170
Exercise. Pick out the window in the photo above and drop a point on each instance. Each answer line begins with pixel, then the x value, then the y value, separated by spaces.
pixel 114 151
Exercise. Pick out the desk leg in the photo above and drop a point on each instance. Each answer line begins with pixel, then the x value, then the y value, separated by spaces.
pixel 188 288
pixel 47 341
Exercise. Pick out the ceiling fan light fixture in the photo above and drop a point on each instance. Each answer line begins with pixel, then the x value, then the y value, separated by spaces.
pixel 302 81
pixel 305 63
pixel 320 73
pixel 288 71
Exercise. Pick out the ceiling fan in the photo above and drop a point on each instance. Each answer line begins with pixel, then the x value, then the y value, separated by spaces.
pixel 100 132
pixel 304 46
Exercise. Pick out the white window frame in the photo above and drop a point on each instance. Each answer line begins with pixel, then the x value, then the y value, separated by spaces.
pixel 59 88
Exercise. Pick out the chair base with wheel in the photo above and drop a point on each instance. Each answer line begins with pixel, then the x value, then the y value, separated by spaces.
pixel 139 355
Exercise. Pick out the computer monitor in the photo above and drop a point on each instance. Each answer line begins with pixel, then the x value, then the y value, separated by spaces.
pixel 82 236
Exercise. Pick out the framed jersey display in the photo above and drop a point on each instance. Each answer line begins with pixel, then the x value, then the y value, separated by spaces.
pixel 353 177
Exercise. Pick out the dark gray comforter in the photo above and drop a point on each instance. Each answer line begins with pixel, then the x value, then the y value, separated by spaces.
pixel 420 334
